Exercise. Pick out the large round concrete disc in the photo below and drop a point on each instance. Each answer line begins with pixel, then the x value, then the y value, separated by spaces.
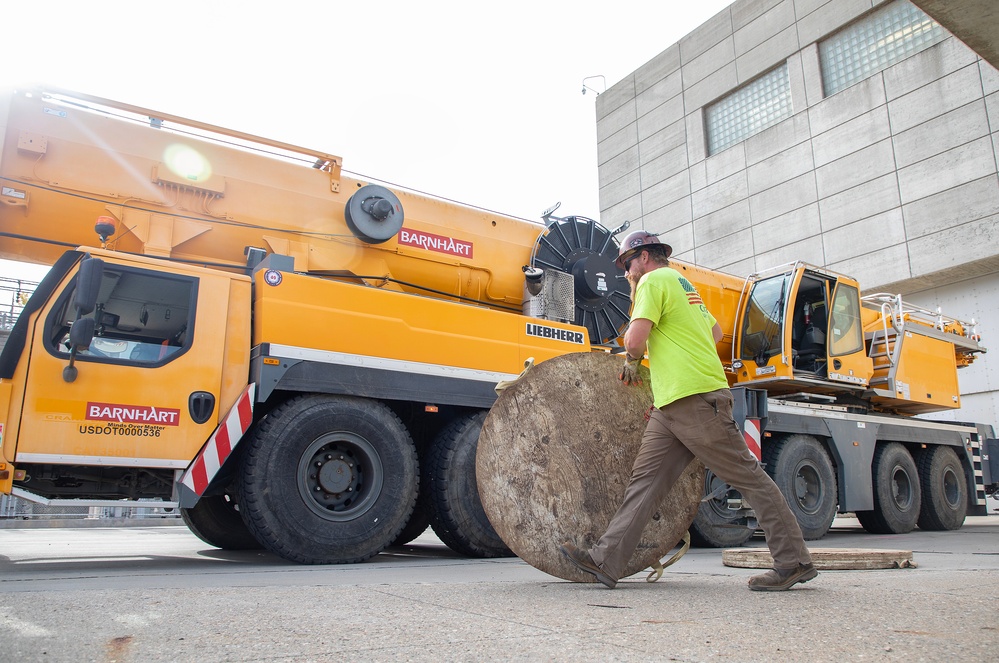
pixel 555 456
pixel 831 559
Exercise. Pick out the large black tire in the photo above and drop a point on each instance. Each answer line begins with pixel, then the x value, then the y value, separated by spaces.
pixel 418 523
pixel 449 484
pixel 216 521
pixel 715 525
pixel 945 491
pixel 897 494
pixel 328 479
pixel 801 468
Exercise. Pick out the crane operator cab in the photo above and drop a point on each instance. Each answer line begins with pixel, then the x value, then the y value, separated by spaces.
pixel 140 353
pixel 799 327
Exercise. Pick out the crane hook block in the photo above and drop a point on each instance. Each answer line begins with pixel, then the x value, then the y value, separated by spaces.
pixel 374 214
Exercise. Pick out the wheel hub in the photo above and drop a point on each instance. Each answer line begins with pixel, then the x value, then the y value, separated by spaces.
pixel 952 488
pixel 901 488
pixel 808 488
pixel 336 475
pixel 339 476
pixel 726 505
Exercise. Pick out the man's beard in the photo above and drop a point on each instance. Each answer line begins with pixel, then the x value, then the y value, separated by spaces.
pixel 633 281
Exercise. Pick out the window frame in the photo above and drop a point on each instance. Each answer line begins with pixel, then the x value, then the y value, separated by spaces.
pixel 55 324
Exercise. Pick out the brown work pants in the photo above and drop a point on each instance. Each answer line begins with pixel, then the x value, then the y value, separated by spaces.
pixel 701 426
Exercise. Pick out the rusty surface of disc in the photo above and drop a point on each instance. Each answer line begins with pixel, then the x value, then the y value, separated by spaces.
pixel 554 458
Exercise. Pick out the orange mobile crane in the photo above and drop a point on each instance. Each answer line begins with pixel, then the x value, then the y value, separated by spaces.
pixel 301 361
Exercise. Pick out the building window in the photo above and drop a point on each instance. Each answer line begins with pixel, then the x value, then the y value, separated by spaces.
pixel 749 110
pixel 874 43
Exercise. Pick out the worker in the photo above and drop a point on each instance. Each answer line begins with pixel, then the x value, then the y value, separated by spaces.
pixel 692 418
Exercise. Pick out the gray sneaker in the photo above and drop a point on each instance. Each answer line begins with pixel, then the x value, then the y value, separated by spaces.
pixel 581 560
pixel 777 580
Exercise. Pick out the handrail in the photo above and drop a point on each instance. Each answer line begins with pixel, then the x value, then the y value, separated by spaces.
pixel 902 310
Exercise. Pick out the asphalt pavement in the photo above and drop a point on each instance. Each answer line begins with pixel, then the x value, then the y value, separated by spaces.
pixel 159 594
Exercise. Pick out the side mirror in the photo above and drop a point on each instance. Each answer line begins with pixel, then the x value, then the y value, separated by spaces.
pixel 80 336
pixel 88 285
pixel 82 333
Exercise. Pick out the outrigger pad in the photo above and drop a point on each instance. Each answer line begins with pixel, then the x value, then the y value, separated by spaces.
pixel 554 458
pixel 825 559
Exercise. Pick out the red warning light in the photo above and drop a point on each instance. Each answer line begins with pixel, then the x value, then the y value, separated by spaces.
pixel 105 227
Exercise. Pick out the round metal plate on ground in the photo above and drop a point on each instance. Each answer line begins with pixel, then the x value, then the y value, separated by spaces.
pixel 555 455
pixel 827 559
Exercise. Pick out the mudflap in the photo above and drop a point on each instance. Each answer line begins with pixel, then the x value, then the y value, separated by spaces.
pixel 990 466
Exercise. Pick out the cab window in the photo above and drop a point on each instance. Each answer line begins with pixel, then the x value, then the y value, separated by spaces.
pixel 142 318
pixel 845 330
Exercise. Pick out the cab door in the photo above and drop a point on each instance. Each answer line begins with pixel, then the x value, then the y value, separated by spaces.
pixel 848 360
pixel 146 390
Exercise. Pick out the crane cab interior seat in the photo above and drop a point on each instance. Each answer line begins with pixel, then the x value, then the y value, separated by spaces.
pixel 813 340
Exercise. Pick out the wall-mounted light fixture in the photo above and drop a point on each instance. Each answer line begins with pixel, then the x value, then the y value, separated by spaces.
pixel 589 78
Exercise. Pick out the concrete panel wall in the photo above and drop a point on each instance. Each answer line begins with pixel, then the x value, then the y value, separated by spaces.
pixel 979 297
pixel 894 180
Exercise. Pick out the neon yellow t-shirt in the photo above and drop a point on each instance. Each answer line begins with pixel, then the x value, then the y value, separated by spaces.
pixel 682 353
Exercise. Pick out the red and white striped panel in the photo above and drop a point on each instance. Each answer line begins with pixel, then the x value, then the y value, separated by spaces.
pixel 751 432
pixel 225 438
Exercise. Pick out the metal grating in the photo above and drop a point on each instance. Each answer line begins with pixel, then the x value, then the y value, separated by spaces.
pixel 556 301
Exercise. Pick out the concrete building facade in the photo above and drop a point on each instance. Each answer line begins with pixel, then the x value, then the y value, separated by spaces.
pixel 754 142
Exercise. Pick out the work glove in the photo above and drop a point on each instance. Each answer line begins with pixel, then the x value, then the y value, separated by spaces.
pixel 629 372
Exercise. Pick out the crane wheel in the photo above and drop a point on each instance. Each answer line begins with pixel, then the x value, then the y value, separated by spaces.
pixel 328 479
pixel 803 471
pixel 716 525
pixel 216 520
pixel 945 491
pixel 448 483
pixel 897 495
pixel 418 523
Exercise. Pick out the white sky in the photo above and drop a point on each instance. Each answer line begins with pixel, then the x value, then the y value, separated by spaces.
pixel 477 102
